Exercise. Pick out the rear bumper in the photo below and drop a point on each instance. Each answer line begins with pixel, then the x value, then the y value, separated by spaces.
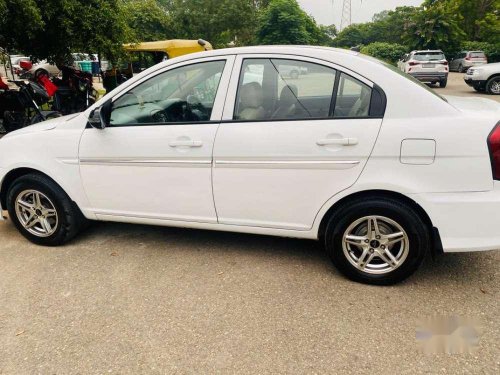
pixel 466 221
pixel 429 76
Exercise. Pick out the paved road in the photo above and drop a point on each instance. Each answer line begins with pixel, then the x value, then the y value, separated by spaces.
pixel 137 299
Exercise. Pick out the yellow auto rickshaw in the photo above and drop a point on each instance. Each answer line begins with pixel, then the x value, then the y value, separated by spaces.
pixel 146 54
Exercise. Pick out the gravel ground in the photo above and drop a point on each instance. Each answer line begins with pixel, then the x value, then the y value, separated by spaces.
pixel 136 299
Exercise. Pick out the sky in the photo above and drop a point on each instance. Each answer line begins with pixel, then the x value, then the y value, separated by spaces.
pixel 327 12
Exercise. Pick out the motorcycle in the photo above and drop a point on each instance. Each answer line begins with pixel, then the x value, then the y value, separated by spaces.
pixel 75 91
pixel 21 108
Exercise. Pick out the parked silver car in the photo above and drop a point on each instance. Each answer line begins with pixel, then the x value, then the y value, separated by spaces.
pixel 467 59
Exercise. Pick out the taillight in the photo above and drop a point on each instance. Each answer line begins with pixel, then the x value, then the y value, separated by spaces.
pixel 467 58
pixel 413 63
pixel 445 63
pixel 494 147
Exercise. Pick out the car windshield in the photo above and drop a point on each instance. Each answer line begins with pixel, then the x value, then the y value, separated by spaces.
pixel 429 56
pixel 477 54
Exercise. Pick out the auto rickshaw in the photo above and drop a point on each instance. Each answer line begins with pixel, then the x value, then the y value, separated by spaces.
pixel 146 54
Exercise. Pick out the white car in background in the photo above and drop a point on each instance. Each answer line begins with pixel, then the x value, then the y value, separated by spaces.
pixel 344 155
pixel 44 67
pixel 427 66
pixel 484 78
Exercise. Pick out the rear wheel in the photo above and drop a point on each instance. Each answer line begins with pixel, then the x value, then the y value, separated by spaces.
pixel 493 86
pixel 42 211
pixel 461 69
pixel 40 72
pixel 377 241
pixel 443 83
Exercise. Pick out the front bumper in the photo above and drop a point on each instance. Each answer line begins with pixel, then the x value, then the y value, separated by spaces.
pixel 429 76
pixel 3 213
pixel 476 83
pixel 466 221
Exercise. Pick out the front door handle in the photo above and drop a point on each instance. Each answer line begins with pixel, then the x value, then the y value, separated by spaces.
pixel 337 141
pixel 185 143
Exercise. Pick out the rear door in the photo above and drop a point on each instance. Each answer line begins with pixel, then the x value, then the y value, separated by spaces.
pixel 288 144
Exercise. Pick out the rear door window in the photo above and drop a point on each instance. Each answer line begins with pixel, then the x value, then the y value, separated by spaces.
pixel 281 89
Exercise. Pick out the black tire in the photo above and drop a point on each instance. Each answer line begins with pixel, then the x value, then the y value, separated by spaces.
pixel 418 238
pixel 443 83
pixel 460 68
pixel 69 218
pixel 40 72
pixel 490 84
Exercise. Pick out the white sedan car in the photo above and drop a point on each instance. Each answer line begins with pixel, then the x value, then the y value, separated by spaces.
pixel 46 68
pixel 353 154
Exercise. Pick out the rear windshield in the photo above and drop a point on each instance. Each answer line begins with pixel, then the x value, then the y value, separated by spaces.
pixel 429 56
pixel 407 76
pixel 477 54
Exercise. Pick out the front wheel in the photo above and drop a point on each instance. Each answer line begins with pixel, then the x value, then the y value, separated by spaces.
pixel 42 211
pixel 493 86
pixel 377 241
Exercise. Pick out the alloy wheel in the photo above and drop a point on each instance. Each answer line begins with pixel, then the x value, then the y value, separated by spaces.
pixel 375 244
pixel 495 87
pixel 36 213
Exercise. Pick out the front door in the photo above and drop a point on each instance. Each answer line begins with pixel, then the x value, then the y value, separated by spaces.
pixel 290 142
pixel 154 159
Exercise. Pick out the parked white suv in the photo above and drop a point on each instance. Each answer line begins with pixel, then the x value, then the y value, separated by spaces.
pixel 223 140
pixel 484 78
pixel 426 66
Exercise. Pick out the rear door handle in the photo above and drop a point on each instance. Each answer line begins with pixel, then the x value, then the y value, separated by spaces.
pixel 337 141
pixel 185 143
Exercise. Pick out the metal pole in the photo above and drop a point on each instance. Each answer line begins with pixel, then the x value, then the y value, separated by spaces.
pixel 10 63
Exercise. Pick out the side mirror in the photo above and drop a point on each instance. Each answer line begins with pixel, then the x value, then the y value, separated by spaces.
pixel 99 118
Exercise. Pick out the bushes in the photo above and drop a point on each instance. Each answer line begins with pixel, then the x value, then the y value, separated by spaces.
pixel 389 52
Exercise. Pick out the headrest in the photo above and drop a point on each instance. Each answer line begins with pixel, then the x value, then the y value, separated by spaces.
pixel 251 95
pixel 289 95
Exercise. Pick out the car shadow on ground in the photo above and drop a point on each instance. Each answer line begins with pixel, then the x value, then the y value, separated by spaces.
pixel 446 269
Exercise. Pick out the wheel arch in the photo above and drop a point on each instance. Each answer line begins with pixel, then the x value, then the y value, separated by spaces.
pixel 16 173
pixel 365 194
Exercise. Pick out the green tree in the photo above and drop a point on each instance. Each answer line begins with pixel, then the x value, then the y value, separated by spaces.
pixel 436 25
pixel 355 35
pixel 52 29
pixel 284 22
pixel 389 52
pixel 147 21
pixel 218 21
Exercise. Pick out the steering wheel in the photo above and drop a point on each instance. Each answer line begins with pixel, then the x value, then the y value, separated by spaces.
pixel 160 116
